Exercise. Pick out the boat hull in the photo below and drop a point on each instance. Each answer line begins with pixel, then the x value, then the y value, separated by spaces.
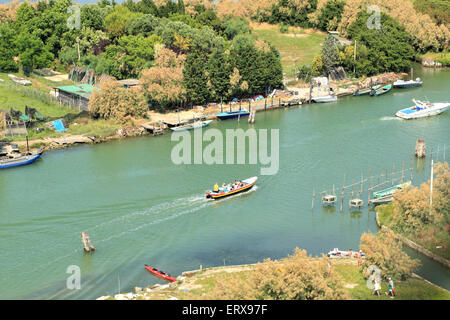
pixel 192 127
pixel 157 274
pixel 22 161
pixel 382 90
pixel 325 99
pixel 411 113
pixel 232 115
pixel 365 91
pixel 407 84
pixel 250 182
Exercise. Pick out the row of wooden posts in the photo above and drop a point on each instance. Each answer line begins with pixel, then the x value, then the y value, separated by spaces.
pixel 331 198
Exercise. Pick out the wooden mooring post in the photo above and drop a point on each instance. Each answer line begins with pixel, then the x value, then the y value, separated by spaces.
pixel 420 151
pixel 87 244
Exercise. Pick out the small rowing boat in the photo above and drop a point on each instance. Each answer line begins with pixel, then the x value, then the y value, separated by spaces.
pixel 231 189
pixel 328 98
pixel 422 110
pixel 191 126
pixel 361 92
pixel 381 90
pixel 160 274
pixel 232 114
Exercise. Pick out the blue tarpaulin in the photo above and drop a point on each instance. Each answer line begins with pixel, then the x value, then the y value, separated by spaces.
pixel 58 125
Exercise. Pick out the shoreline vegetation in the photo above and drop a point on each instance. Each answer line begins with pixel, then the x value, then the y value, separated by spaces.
pixel 82 129
pixel 204 283
pixel 420 227
pixel 193 52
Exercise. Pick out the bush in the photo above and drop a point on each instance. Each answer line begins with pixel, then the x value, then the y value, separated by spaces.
pixel 384 250
pixel 114 102
pixel 297 277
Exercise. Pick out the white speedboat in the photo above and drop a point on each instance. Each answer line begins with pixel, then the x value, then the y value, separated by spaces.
pixel 328 98
pixel 422 109
pixel 408 83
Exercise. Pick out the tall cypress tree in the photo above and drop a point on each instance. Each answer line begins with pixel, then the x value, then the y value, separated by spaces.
pixel 219 74
pixel 195 78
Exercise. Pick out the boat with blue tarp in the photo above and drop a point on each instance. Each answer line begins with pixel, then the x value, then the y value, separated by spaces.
pixel 232 114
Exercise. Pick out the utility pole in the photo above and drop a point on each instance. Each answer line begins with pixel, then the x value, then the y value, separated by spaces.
pixel 354 58
pixel 431 188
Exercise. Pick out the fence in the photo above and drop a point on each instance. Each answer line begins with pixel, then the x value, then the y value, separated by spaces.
pixel 15 129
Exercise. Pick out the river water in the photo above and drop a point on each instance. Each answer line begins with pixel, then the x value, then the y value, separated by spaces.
pixel 140 208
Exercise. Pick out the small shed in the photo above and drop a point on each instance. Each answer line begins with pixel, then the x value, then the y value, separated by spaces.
pixel 76 96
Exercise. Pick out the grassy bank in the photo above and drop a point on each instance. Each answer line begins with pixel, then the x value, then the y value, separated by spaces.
pixel 385 217
pixel 201 283
pixel 297 46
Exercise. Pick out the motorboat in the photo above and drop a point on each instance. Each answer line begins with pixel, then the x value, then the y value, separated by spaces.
pixel 229 190
pixel 422 109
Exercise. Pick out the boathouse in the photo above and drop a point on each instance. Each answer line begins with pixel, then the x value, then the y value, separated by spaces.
pixel 76 96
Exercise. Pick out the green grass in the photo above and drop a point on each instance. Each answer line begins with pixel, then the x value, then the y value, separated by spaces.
pixel 301 47
pixel 17 97
pixel 411 289
pixel 385 214
pixel 98 128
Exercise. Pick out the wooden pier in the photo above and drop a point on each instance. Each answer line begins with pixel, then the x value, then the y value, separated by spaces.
pixel 87 244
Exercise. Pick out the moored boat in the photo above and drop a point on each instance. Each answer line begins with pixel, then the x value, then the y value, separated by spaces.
pixel 191 126
pixel 232 114
pixel 229 190
pixel 390 191
pixel 160 274
pixel 11 157
pixel 422 109
pixel 361 92
pixel 381 200
pixel 323 99
pixel 408 83
pixel 381 90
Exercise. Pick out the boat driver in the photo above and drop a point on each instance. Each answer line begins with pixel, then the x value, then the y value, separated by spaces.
pixel 216 188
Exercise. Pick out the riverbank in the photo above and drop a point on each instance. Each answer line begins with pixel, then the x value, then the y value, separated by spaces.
pixel 83 130
pixel 198 284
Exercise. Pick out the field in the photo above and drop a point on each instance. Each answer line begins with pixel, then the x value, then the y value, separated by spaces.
pixel 297 46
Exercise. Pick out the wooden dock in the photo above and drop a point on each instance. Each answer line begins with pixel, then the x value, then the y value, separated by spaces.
pixel 154 128
pixel 87 244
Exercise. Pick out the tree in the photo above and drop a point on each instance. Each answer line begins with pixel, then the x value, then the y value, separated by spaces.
pixel 219 71
pixel 384 251
pixel 297 277
pixel 234 26
pixel 117 103
pixel 33 53
pixel 144 25
pixel 388 48
pixel 195 78
pixel 330 56
pixel 116 23
pixel 163 83
pixel 92 16
pixel 331 12
pixel 7 48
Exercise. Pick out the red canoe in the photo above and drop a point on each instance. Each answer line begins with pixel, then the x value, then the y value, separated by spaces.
pixel 160 274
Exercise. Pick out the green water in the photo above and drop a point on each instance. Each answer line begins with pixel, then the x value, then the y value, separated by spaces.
pixel 139 208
